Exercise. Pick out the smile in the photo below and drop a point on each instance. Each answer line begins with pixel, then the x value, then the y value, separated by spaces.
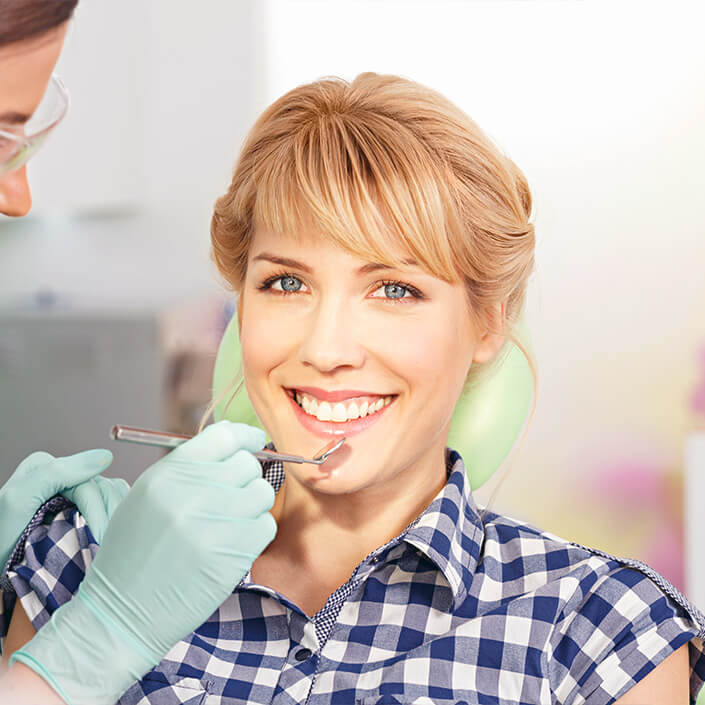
pixel 340 412
pixel 344 417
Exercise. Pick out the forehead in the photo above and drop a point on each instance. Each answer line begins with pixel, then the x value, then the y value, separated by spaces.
pixel 25 70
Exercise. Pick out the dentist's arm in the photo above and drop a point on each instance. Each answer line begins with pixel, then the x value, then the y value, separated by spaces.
pixel 22 686
pixel 37 479
pixel 175 548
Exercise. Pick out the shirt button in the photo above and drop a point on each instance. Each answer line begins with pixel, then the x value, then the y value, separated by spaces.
pixel 375 559
pixel 303 654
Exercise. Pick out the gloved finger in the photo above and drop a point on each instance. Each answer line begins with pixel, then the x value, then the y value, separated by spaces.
pixel 87 497
pixel 238 470
pixel 257 497
pixel 263 529
pixel 72 470
pixel 249 537
pixel 220 440
pixel 33 461
pixel 113 491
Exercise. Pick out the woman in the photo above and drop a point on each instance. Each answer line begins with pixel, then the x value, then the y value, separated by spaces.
pixel 381 246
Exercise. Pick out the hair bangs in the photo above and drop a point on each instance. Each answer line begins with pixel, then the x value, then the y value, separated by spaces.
pixel 351 178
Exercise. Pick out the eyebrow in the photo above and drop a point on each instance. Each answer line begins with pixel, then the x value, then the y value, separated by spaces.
pixel 13 118
pixel 288 262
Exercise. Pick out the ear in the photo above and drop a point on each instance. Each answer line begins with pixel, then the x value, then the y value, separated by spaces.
pixel 490 343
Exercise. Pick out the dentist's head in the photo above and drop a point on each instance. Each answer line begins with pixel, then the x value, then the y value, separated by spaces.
pixel 32 101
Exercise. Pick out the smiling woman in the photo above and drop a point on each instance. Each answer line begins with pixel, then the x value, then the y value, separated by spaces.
pixel 381 246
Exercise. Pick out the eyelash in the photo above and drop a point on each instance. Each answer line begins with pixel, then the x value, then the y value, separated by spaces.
pixel 266 285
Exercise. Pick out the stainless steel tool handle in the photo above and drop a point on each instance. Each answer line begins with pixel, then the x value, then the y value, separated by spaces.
pixel 171 440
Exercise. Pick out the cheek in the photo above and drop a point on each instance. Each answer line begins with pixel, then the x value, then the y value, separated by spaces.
pixel 265 341
pixel 256 342
pixel 415 352
pixel 436 358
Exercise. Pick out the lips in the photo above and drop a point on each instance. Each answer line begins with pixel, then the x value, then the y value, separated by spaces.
pixel 339 395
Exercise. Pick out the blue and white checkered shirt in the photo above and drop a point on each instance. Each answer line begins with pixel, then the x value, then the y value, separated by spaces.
pixel 453 610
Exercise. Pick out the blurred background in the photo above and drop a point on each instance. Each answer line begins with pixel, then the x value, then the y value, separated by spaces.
pixel 111 310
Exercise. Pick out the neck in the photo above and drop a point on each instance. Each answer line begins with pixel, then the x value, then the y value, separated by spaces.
pixel 318 530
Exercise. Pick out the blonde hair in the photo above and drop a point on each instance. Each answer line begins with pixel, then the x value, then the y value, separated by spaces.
pixel 381 163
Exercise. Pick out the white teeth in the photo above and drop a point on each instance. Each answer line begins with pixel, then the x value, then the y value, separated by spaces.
pixel 339 413
pixel 324 411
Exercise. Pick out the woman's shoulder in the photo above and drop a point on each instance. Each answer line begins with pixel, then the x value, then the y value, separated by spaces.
pixel 540 556
pixel 606 620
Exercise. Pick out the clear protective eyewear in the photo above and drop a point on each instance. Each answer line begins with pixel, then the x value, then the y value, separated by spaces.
pixel 19 142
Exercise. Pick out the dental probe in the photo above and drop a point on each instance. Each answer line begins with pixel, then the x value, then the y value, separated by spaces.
pixel 171 440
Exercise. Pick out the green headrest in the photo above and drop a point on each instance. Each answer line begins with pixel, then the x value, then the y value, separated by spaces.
pixel 486 422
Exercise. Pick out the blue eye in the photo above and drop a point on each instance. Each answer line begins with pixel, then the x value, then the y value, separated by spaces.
pixel 290 283
pixel 394 291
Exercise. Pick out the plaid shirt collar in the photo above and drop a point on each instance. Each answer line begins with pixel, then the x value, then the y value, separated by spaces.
pixel 448 532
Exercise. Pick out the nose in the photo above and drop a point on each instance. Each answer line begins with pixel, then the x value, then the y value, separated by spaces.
pixel 15 197
pixel 330 338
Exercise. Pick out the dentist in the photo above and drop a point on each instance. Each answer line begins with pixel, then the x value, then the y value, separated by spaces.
pixel 181 539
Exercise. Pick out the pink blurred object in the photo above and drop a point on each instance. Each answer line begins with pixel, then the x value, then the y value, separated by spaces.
pixel 639 491
pixel 630 482
pixel 665 554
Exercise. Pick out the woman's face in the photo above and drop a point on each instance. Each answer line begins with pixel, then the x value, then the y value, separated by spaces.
pixel 327 325
pixel 25 70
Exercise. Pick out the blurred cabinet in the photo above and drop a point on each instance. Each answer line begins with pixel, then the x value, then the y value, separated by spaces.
pixel 67 378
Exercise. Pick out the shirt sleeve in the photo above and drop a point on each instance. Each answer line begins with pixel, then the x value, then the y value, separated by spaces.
pixel 48 564
pixel 623 620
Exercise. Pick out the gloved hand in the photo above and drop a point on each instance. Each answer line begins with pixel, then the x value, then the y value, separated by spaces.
pixel 40 476
pixel 176 547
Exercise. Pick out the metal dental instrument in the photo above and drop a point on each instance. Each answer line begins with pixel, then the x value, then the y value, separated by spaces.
pixel 171 440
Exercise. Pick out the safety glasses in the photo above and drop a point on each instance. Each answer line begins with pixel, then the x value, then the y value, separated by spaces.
pixel 19 142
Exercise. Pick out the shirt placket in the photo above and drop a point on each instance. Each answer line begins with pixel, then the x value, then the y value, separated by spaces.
pixel 308 637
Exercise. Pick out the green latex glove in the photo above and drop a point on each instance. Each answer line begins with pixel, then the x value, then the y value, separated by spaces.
pixel 176 547
pixel 97 499
pixel 40 476
pixel 486 422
